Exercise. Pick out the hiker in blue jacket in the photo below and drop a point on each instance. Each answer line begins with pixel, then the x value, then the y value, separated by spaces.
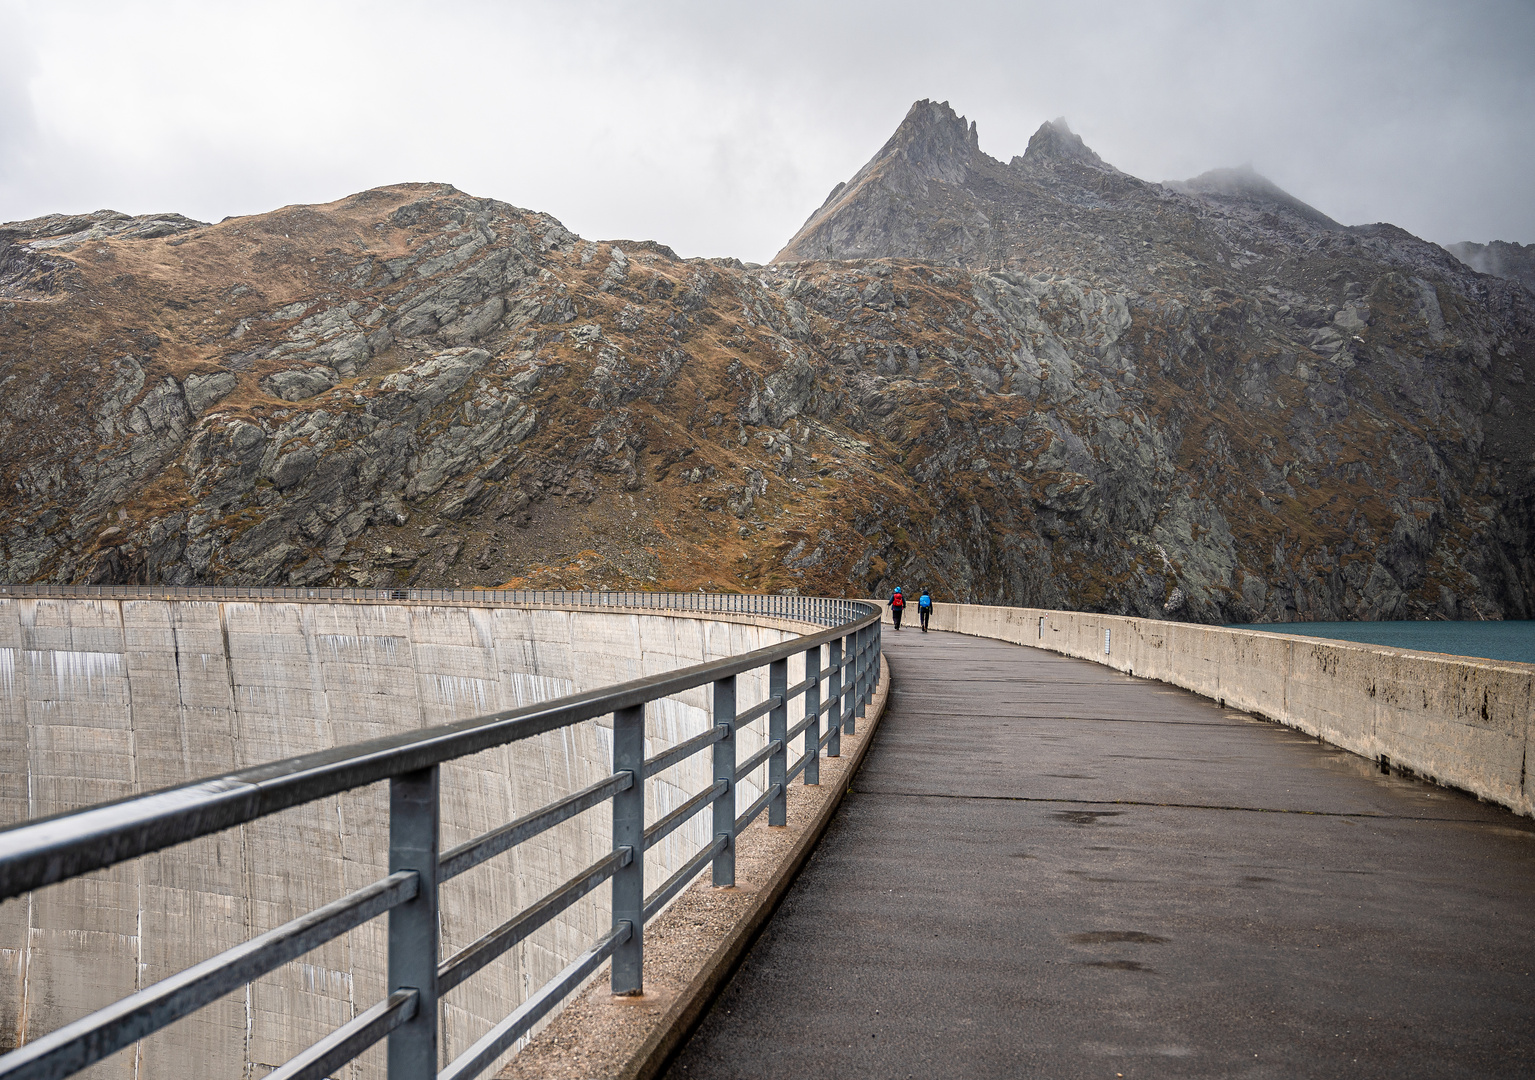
pixel 897 605
pixel 924 608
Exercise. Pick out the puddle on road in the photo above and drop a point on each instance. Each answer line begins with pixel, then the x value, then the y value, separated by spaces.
pixel 1111 937
pixel 1085 817
pixel 1117 965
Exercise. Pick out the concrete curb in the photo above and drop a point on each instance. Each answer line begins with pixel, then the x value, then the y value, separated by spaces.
pixel 635 1042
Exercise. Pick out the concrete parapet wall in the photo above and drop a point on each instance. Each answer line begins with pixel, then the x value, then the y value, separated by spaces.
pixel 106 698
pixel 1455 720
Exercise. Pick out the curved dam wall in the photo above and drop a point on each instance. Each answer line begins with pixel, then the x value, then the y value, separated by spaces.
pixel 101 699
pixel 1458 721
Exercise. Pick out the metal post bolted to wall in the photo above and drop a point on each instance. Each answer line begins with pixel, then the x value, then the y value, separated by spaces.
pixel 813 716
pixel 875 652
pixel 725 770
pixel 860 671
pixel 629 832
pixel 778 732
pixel 834 693
pixel 413 817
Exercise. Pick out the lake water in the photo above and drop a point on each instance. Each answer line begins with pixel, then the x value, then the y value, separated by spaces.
pixel 1509 640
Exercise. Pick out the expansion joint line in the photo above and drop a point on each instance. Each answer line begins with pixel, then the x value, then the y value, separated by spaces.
pixel 1142 802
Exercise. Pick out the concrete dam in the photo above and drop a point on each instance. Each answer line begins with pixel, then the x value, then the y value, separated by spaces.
pixel 1225 850
pixel 106 698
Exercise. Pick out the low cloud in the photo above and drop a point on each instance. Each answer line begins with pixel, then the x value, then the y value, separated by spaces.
pixel 718 128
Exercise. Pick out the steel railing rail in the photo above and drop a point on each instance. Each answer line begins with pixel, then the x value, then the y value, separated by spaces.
pixel 48 850
pixel 821 610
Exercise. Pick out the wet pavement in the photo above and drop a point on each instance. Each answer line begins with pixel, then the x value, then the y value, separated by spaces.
pixel 1046 868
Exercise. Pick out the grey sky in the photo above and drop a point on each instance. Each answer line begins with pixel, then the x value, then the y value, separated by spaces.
pixel 718 127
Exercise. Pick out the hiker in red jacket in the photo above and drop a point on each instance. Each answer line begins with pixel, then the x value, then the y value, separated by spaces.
pixel 897 605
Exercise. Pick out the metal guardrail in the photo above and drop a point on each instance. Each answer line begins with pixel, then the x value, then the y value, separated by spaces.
pixel 822 611
pixel 52 849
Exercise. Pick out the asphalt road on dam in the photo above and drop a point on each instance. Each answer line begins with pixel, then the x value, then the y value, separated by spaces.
pixel 1046 868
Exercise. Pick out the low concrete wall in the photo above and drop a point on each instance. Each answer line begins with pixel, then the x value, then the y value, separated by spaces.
pixel 1458 721
pixel 101 699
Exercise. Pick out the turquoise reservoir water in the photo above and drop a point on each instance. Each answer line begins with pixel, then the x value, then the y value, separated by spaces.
pixel 1509 640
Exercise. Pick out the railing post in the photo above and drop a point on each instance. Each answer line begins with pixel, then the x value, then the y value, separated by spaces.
pixel 874 653
pixel 874 658
pixel 413 824
pixel 834 692
pixel 812 773
pixel 778 731
pixel 870 667
pixel 850 724
pixel 629 832
pixel 725 769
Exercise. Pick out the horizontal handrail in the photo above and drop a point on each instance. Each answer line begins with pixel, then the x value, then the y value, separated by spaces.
pixel 668 824
pixel 350 1039
pixel 805 684
pixel 470 854
pixel 757 807
pixel 104 1032
pixel 658 899
pixel 500 1038
pixel 472 958
pixel 684 750
pixel 761 709
pixel 799 728
pixel 744 769
pixel 827 611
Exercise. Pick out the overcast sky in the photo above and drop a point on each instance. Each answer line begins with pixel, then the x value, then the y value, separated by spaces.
pixel 717 127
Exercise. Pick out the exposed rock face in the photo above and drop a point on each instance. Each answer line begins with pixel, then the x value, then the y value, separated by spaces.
pixel 1283 343
pixel 1044 382
pixel 1516 262
pixel 1234 187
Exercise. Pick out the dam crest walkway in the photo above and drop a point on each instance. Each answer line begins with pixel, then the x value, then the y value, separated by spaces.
pixel 1049 868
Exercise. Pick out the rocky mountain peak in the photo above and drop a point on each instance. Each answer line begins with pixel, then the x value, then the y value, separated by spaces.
pixel 932 158
pixel 1246 184
pixel 935 141
pixel 1513 262
pixel 1055 141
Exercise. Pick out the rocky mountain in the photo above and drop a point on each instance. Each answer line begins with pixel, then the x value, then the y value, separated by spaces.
pixel 1042 382
pixel 1500 259
pixel 1345 409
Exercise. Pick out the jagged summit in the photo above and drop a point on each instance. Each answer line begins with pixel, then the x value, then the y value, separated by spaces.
pixel 1055 141
pixel 932 142
pixel 930 194
pixel 1245 183
pixel 912 196
pixel 1511 261
pixel 935 140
